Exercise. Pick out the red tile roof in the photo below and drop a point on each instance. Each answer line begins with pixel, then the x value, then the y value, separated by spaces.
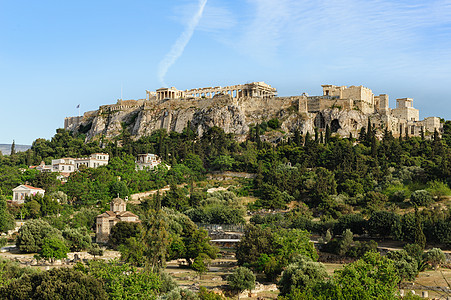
pixel 31 187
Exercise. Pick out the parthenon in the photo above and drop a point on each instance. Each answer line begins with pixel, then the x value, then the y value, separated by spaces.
pixel 254 89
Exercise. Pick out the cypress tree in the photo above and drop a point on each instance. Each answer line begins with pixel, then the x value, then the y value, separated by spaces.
pixel 373 146
pixel 327 133
pixel 307 139
pixel 13 148
pixel 420 238
pixel 297 137
pixel 368 128
pixel 257 137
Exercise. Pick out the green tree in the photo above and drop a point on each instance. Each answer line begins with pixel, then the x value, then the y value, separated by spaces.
pixel 77 239
pixel 200 264
pixel 435 257
pixel 33 208
pixel 58 283
pixel 10 271
pixel 223 163
pixel 371 277
pixel 13 148
pixel 59 196
pixel 301 275
pixel 420 238
pixel 383 223
pixel 53 248
pixel 122 231
pixel 33 233
pixel 241 279
pixel 274 123
pixel 133 251
pixel 325 184
pixel 197 243
pixel 346 242
pixel 6 220
pixel 119 189
pixel 122 281
pixel 256 241
pixel 406 265
pixel 95 250
pixel 156 239
pixel 195 164
pixel 293 242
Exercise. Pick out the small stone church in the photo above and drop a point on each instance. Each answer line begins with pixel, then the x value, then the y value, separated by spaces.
pixel 117 213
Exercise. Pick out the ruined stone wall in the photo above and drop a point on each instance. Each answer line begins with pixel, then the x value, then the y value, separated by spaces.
pixel 358 93
pixel 406 113
pixel 381 104
pixel 71 123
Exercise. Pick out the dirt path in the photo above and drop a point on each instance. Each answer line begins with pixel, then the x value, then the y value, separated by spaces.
pixel 136 198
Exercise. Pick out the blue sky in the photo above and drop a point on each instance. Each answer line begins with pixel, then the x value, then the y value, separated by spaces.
pixel 55 55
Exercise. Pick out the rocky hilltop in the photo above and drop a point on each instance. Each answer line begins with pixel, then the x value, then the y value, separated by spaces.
pixel 234 115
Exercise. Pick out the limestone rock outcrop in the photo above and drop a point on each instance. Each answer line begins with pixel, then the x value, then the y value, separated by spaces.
pixel 235 116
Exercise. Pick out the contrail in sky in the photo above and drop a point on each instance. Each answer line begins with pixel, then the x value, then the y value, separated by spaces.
pixel 180 44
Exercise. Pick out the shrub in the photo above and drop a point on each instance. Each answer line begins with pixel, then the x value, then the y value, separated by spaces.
pixel 435 257
pixel 421 198
pixel 274 123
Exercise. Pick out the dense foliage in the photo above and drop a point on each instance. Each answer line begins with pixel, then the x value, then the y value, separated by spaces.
pixel 340 188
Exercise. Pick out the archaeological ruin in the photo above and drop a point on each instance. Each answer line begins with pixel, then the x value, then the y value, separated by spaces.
pixel 346 110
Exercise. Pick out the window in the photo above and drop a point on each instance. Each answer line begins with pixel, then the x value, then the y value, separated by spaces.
pixel 412 130
pixel 62 168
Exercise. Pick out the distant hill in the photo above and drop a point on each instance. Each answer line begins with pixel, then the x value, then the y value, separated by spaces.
pixel 6 148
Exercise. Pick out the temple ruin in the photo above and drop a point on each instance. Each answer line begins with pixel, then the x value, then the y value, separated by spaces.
pixel 254 89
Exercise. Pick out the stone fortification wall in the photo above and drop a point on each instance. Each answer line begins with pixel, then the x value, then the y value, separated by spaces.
pixel 345 110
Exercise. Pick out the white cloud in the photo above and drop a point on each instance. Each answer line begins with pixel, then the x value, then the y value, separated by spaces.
pixel 344 27
pixel 179 46
pixel 215 18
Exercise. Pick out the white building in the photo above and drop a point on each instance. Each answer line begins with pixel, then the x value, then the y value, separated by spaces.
pixel 93 161
pixel 63 165
pixel 23 190
pixel 67 165
pixel 147 161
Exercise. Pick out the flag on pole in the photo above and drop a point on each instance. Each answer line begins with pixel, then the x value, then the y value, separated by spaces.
pixel 78 106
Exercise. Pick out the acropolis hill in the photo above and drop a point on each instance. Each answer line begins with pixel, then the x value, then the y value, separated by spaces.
pixel 234 108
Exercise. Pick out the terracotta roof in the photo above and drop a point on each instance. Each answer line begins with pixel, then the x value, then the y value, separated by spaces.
pixel 31 187
pixel 127 214
pixel 107 214
pixel 111 213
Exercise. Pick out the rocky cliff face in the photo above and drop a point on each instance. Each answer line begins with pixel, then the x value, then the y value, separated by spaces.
pixel 143 117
